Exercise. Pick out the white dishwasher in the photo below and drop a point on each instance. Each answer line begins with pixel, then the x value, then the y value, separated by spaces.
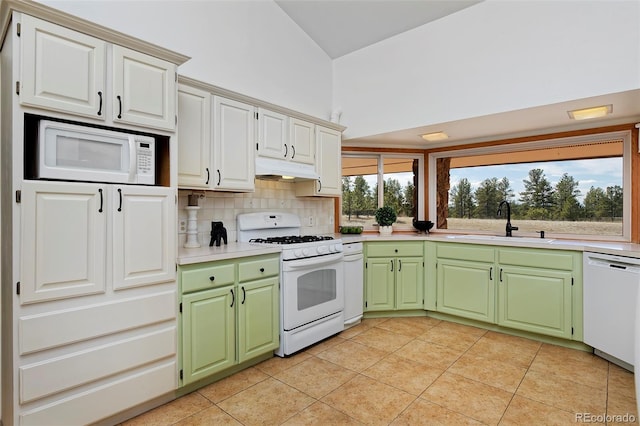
pixel 353 283
pixel 610 294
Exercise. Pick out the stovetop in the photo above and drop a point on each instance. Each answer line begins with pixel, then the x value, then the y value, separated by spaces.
pixel 291 239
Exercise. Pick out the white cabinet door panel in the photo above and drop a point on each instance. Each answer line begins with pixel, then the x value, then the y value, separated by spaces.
pixel 194 138
pixel 144 89
pixel 62 69
pixel 63 235
pixel 233 141
pixel 273 140
pixel 329 161
pixel 143 235
pixel 301 138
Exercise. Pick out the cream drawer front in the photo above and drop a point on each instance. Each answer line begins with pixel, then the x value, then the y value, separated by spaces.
pixel 59 374
pixel 202 278
pixel 258 268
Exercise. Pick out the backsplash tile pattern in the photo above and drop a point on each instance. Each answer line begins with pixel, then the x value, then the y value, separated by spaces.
pixel 268 196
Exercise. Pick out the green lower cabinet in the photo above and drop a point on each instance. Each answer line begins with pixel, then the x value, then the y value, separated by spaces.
pixel 258 317
pixel 394 283
pixel 208 333
pixel 536 300
pixel 380 285
pixel 410 283
pixel 466 289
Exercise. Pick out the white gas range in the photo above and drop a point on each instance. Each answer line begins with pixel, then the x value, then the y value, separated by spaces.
pixel 311 278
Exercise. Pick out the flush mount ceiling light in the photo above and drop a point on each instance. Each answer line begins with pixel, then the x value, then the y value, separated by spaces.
pixel 436 136
pixel 593 112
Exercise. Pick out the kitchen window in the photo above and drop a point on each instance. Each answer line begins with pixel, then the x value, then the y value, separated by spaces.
pixel 372 180
pixel 569 187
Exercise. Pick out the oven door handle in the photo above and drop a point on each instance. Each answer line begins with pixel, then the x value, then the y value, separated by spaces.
pixel 290 265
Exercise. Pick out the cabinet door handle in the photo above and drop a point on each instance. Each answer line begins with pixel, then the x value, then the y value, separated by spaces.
pixel 399 265
pixel 391 265
pixel 491 274
pixel 233 299
pixel 100 105
pixel 261 269
pixel 119 106
pixel 212 278
pixel 244 295
pixel 319 185
pixel 286 150
pixel 219 176
pixel 208 176
pixel 293 152
pixel 120 195
pixel 500 274
pixel 101 200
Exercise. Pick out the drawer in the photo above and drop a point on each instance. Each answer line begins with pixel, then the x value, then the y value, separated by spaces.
pixel 471 252
pixel 391 249
pixel 256 268
pixel 547 259
pixel 207 276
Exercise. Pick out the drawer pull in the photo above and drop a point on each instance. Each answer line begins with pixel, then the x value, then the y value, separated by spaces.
pixel 396 250
pixel 261 269
pixel 244 295
pixel 211 278
pixel 233 299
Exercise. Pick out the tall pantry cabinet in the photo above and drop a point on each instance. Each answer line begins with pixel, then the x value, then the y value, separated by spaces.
pixel 89 291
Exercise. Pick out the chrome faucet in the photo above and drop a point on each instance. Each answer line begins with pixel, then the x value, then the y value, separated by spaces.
pixel 509 228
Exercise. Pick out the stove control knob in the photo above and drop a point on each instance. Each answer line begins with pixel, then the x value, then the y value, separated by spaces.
pixel 297 253
pixel 323 249
pixel 332 248
pixel 305 252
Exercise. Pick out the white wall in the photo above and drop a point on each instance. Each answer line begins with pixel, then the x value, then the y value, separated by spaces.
pixel 251 47
pixel 493 57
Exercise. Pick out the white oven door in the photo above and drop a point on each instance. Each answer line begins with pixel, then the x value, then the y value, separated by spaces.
pixel 312 288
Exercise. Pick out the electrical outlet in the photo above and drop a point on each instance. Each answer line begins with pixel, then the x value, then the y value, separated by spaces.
pixel 330 219
pixel 310 221
pixel 183 225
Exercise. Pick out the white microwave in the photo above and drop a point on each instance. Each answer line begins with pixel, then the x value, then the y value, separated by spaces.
pixel 80 153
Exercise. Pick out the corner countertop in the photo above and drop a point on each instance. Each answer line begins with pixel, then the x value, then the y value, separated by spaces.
pixel 617 248
pixel 235 250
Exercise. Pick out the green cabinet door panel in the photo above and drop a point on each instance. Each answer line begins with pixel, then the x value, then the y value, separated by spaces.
pixel 466 289
pixel 535 300
pixel 258 317
pixel 380 287
pixel 409 283
pixel 208 332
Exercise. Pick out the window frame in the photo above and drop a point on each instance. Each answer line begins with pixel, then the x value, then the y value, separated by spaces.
pixel 380 156
pixel 624 135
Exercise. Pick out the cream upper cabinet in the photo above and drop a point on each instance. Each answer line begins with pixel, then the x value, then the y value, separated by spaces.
pixel 302 140
pixel 328 165
pixel 194 138
pixel 65 71
pixel 273 135
pixel 144 89
pixel 62 69
pixel 233 145
pixel 143 235
pixel 64 228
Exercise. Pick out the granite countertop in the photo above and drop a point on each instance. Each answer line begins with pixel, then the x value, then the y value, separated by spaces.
pixel 618 248
pixel 235 250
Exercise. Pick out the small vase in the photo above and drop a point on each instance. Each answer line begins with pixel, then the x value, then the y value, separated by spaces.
pixel 385 230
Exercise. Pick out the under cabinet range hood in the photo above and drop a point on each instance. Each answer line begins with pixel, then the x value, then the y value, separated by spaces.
pixel 273 169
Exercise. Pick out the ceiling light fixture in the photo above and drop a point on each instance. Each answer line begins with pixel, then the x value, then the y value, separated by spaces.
pixel 593 112
pixel 436 136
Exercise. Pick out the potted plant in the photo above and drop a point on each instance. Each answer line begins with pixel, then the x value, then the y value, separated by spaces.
pixel 385 216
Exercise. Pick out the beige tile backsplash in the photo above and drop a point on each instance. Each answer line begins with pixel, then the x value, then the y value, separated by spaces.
pixel 268 196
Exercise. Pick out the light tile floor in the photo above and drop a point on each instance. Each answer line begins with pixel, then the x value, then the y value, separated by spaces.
pixel 413 371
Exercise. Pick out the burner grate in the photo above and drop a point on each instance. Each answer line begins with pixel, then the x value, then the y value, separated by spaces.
pixel 291 239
